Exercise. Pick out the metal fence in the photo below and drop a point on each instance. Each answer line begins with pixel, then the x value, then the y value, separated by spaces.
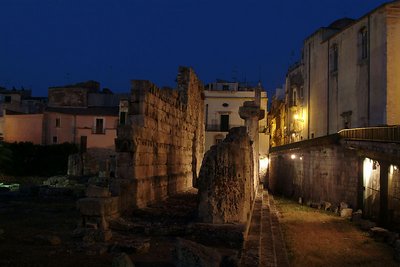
pixel 386 134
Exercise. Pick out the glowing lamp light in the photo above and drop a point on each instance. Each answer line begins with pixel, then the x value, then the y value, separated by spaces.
pixel 296 116
pixel 393 168
pixel 367 170
pixel 301 158
pixel 263 164
pixel 293 156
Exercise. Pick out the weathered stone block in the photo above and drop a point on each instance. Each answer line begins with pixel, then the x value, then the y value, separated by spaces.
pixel 366 225
pixel 97 191
pixel 226 180
pixel 98 206
pixel 357 217
pixel 188 253
pixel 379 233
pixel 346 213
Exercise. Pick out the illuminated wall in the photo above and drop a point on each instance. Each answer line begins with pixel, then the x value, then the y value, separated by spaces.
pixel 23 128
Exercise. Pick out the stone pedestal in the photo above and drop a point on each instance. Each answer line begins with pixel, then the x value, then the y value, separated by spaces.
pixel 97 209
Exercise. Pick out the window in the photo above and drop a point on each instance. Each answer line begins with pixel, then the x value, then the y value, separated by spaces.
pixel 99 126
pixel 7 99
pixel 294 97
pixel 363 43
pixel 225 87
pixel 334 58
pixel 346 119
pixel 55 139
pixel 224 126
pixel 122 118
pixel 58 122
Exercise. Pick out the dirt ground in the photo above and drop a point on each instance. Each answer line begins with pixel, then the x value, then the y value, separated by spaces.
pixel 318 238
pixel 29 225
pixel 314 238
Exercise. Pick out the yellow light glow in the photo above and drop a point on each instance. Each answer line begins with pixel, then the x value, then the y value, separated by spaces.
pixel 393 168
pixel 293 156
pixel 263 164
pixel 296 116
pixel 367 170
pixel 301 158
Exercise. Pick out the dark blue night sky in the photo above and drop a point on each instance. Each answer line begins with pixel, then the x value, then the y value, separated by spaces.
pixel 56 42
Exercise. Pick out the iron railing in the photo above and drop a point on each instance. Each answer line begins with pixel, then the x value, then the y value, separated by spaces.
pixel 385 134
pixel 218 128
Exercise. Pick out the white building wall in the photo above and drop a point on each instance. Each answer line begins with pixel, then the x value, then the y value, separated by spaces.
pixel 369 89
pixel 214 108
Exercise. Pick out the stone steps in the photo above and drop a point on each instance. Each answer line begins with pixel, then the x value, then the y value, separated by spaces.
pixel 264 244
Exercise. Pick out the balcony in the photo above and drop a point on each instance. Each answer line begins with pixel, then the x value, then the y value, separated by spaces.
pixel 97 130
pixel 219 127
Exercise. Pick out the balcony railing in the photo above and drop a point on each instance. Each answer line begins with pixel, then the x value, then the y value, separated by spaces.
pixel 217 128
pixel 98 130
pixel 385 134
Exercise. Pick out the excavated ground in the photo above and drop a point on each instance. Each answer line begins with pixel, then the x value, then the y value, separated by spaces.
pixel 37 231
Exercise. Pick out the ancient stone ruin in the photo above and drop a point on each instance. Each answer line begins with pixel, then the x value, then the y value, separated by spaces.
pixel 229 175
pixel 160 140
pixel 226 180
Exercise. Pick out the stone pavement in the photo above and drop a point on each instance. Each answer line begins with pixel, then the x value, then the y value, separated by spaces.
pixel 264 245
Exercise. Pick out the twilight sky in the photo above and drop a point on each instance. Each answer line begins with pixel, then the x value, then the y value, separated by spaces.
pixel 56 42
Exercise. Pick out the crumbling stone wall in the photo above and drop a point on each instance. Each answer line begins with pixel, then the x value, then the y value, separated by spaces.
pixel 160 149
pixel 94 162
pixel 226 181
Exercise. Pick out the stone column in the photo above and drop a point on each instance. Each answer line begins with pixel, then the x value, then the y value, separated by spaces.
pixel 384 192
pixel 251 113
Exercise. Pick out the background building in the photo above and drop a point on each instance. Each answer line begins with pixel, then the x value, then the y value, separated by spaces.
pixel 74 114
pixel 222 102
pixel 19 101
pixel 348 77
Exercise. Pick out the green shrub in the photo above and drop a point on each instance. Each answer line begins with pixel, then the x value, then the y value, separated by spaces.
pixel 25 159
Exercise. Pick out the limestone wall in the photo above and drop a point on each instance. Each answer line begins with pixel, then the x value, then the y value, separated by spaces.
pixel 394 193
pixel 393 64
pixel 160 149
pixel 319 172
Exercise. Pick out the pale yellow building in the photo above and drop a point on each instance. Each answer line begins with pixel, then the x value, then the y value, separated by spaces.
pixel 222 102
pixel 348 76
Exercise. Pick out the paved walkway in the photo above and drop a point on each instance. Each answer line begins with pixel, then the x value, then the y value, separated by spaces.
pixel 264 245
